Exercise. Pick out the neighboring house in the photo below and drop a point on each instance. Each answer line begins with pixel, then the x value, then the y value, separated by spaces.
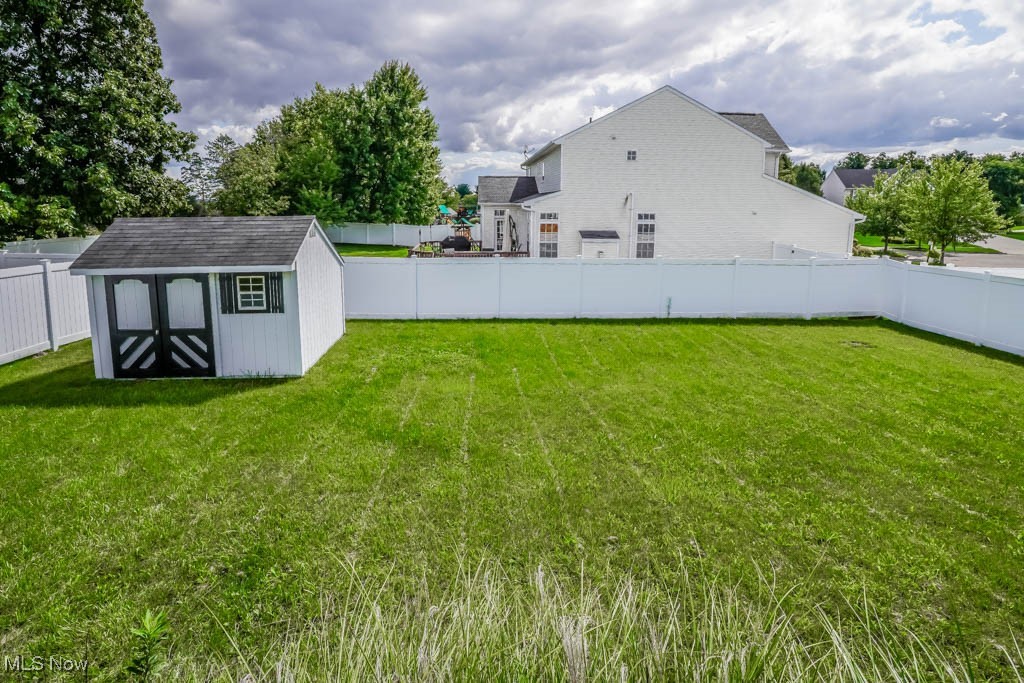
pixel 212 297
pixel 661 176
pixel 843 182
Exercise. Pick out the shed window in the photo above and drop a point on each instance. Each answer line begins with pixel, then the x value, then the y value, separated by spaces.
pixel 252 292
pixel 631 155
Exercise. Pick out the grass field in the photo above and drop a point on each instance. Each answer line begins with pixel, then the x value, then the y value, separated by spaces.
pixel 1016 233
pixel 839 460
pixel 371 250
pixel 958 248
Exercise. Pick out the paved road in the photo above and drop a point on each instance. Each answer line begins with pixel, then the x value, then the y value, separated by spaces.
pixel 988 260
pixel 1007 245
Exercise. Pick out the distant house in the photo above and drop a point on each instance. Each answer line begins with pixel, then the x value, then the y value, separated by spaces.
pixel 661 176
pixel 843 182
pixel 212 297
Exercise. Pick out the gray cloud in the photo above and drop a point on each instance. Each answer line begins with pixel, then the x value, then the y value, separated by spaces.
pixel 503 74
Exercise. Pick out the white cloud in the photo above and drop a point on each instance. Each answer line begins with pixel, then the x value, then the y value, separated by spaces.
pixel 944 122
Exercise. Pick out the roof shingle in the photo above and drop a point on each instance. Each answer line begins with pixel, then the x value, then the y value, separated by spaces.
pixel 207 243
pixel 505 189
pixel 757 124
pixel 860 177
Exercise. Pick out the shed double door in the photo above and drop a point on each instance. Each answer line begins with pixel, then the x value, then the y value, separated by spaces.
pixel 160 325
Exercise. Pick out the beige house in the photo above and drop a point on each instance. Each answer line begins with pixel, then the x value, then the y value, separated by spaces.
pixel 661 176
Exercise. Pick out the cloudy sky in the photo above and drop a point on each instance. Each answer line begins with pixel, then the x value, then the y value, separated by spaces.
pixel 832 76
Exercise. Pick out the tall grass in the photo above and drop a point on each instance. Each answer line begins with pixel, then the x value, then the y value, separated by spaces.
pixel 489 625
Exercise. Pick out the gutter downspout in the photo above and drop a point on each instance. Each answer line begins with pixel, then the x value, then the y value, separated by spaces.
pixel 631 226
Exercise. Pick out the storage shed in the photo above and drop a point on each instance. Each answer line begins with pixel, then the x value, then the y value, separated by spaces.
pixel 212 297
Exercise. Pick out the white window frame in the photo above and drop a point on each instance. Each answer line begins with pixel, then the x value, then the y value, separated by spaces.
pixel 645 239
pixel 547 239
pixel 246 291
pixel 499 229
pixel 630 155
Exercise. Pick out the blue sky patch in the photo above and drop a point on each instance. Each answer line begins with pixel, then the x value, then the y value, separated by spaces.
pixel 970 20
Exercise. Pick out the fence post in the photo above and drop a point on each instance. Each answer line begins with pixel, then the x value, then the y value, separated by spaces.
pixel 661 289
pixel 810 288
pixel 394 237
pixel 416 282
pixel 732 295
pixel 903 294
pixel 367 228
pixel 579 285
pixel 499 259
pixel 983 323
pixel 48 295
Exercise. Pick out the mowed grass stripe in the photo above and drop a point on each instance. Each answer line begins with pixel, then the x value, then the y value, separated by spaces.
pixel 840 456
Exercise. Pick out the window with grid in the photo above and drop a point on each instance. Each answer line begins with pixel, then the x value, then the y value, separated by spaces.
pixel 548 247
pixel 631 155
pixel 252 292
pixel 499 229
pixel 645 235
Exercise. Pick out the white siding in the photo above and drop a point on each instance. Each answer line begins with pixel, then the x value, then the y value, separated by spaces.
pixel 257 344
pixel 833 189
pixel 601 248
pixel 702 177
pixel 321 298
pixel 102 361
pixel 548 171
pixel 771 164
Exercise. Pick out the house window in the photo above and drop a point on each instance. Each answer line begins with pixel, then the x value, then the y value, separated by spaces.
pixel 631 155
pixel 499 229
pixel 645 235
pixel 252 292
pixel 548 247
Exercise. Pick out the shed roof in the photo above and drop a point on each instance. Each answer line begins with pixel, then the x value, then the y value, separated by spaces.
pixel 202 244
pixel 860 177
pixel 505 189
pixel 599 234
pixel 759 125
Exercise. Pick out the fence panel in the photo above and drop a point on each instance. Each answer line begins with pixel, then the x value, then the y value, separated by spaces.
pixel 58 245
pixel 392 234
pixel 41 306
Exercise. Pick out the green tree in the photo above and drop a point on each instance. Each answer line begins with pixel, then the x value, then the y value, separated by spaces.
pixel 951 202
pixel 912 160
pixel 808 176
pixel 786 169
pixel 1006 180
pixel 83 129
pixel 248 178
pixel 854 160
pixel 463 189
pixel 884 206
pixel 883 160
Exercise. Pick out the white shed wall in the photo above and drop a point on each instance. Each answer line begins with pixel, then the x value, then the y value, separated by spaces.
pixel 321 298
pixel 258 344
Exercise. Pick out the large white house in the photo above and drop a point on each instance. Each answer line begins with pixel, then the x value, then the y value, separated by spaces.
pixel 661 176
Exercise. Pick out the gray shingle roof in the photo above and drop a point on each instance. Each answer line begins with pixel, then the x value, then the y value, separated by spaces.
pixel 599 234
pixel 757 124
pixel 861 177
pixel 505 189
pixel 203 243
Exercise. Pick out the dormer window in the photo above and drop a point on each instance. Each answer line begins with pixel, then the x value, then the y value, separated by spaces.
pixel 631 155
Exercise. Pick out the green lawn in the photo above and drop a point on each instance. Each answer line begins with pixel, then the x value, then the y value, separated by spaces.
pixel 958 248
pixel 1016 233
pixel 841 459
pixel 371 250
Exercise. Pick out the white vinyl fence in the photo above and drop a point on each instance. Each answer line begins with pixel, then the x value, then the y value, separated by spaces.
pixel 58 245
pixel 392 234
pixel 41 304
pixel 982 308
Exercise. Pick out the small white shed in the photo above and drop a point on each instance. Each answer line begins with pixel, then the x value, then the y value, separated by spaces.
pixel 249 296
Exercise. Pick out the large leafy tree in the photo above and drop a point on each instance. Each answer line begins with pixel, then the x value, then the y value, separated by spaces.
pixel 884 206
pixel 247 178
pixel 854 160
pixel 1006 180
pixel 951 202
pixel 202 173
pixel 83 106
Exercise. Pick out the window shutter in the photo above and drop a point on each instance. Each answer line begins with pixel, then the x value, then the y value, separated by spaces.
pixel 227 292
pixel 275 293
